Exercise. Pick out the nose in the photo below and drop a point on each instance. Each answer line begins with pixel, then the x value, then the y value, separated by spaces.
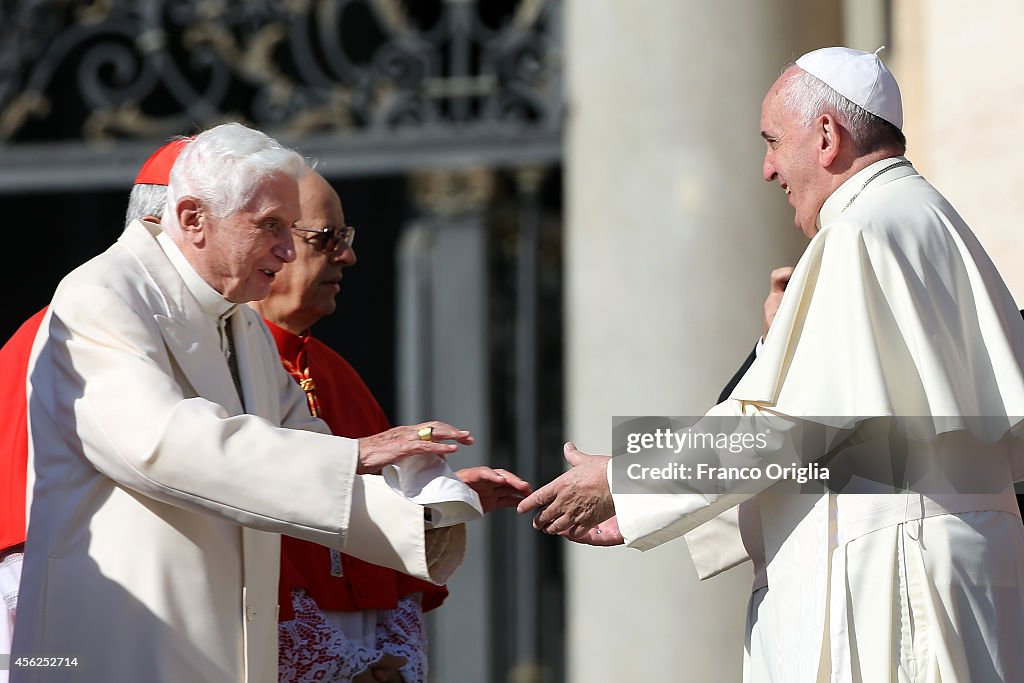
pixel 346 256
pixel 284 248
pixel 768 171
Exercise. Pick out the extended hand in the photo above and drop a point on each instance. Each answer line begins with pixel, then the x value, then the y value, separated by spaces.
pixel 496 488
pixel 400 442
pixel 576 501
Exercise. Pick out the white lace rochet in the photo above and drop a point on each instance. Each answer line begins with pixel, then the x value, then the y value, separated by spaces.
pixel 312 648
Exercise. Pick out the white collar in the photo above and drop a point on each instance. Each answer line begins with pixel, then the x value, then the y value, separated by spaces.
pixel 210 301
pixel 843 195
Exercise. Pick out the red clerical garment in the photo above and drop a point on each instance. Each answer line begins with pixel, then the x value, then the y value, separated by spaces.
pixel 338 394
pixel 14 431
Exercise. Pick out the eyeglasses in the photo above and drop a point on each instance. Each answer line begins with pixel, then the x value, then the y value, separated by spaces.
pixel 329 239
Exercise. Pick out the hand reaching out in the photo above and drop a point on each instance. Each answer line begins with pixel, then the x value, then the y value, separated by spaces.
pixel 496 488
pixel 576 501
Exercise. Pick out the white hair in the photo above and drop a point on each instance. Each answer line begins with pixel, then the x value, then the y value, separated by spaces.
pixel 224 165
pixel 808 97
pixel 146 200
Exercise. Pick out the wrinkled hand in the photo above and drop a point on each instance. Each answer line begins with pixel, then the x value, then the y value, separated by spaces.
pixel 401 442
pixel 496 488
pixel 604 534
pixel 779 279
pixel 576 501
pixel 385 670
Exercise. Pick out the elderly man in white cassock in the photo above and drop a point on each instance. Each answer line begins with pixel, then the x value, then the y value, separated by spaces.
pixel 170 449
pixel 891 377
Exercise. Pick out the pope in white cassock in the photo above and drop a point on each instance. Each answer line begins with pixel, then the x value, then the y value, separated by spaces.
pixel 170 449
pixel 895 360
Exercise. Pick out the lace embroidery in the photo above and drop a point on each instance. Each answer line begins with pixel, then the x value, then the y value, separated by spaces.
pixel 401 632
pixel 311 649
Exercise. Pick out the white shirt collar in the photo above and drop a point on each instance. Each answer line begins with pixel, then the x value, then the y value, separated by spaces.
pixel 210 300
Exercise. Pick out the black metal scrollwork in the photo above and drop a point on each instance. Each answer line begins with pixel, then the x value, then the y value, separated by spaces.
pixel 145 69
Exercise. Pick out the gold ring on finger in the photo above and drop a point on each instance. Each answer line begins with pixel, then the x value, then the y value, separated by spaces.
pixel 425 433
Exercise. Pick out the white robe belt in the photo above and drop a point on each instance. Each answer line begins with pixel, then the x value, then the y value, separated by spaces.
pixel 860 514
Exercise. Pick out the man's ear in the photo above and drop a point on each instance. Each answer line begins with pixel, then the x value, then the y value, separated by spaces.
pixel 830 136
pixel 191 218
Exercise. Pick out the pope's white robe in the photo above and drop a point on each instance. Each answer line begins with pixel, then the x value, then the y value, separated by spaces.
pixel 893 310
pixel 153 544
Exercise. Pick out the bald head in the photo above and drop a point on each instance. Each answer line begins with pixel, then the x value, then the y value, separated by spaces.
pixel 319 199
pixel 304 291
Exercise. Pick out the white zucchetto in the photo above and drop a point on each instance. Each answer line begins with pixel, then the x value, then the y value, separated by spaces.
pixel 860 77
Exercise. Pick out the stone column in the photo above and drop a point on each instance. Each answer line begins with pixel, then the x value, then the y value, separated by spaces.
pixel 442 363
pixel 963 92
pixel 670 236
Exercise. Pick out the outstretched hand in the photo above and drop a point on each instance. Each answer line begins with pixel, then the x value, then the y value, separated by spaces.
pixel 496 488
pixel 401 442
pixel 576 501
